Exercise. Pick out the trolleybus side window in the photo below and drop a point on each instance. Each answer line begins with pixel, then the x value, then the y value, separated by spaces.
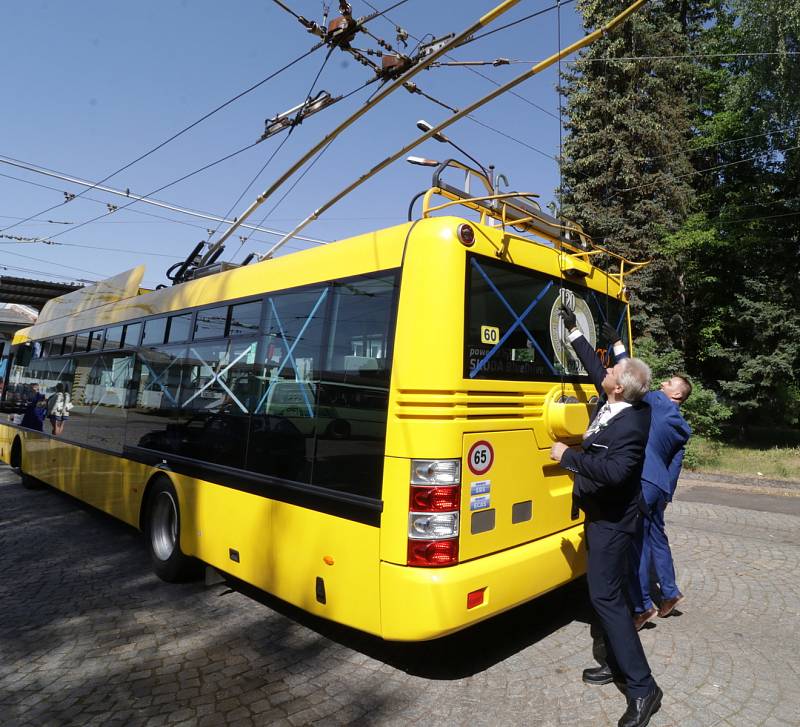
pixel 211 322
pixel 354 391
pixel 155 331
pixel 82 340
pixel 132 333
pixel 152 417
pixel 95 340
pixel 246 318
pixel 513 330
pixel 180 328
pixel 82 393
pixel 285 416
pixel 218 389
pixel 113 338
pixel 107 393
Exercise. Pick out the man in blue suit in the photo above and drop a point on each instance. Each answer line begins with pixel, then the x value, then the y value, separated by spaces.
pixel 607 487
pixel 663 458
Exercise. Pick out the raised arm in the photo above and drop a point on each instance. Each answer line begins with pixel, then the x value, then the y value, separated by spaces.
pixel 583 349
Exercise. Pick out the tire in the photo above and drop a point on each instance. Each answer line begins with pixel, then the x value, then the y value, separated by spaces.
pixel 163 534
pixel 28 482
pixel 338 429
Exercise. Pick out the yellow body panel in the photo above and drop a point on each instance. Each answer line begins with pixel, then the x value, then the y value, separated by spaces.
pixel 105 481
pixel 521 475
pixel 281 548
pixel 425 603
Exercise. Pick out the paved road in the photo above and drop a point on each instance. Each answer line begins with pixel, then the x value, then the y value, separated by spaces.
pixel 89 637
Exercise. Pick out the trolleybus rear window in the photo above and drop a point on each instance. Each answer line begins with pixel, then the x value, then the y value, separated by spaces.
pixel 513 330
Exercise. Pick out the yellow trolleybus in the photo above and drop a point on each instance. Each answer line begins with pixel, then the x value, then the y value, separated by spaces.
pixel 361 429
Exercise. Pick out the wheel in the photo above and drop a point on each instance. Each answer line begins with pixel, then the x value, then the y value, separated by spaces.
pixel 162 530
pixel 338 429
pixel 28 482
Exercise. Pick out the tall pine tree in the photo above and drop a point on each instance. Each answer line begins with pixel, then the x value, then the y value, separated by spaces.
pixel 625 163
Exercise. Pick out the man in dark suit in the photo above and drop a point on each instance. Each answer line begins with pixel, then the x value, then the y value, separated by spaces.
pixel 666 445
pixel 608 468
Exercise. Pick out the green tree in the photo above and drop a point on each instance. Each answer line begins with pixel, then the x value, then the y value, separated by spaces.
pixel 738 256
pixel 694 163
pixel 625 160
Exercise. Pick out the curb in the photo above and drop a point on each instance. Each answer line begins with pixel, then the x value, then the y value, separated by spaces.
pixel 724 479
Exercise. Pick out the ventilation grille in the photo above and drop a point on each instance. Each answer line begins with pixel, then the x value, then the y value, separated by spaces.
pixel 451 405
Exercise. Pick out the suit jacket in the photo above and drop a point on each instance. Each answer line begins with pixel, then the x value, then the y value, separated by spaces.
pixel 666 444
pixel 608 467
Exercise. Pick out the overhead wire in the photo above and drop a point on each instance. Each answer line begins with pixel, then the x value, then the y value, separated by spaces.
pixel 48 262
pixel 508 136
pixel 482 75
pixel 291 187
pixel 687 56
pixel 255 229
pixel 39 272
pixel 155 191
pixel 279 147
pixel 516 61
pixel 754 219
pixel 558 5
pixel 703 171
pixel 34 240
pixel 245 238
pixel 182 131
pixel 691 148
pixel 96 185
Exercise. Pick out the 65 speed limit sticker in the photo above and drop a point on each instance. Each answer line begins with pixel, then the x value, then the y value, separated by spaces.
pixel 480 457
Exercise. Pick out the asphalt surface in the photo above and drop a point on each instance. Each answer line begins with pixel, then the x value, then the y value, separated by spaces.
pixel 88 636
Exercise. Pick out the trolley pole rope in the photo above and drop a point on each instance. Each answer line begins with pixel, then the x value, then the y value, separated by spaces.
pixel 397 83
pixel 538 68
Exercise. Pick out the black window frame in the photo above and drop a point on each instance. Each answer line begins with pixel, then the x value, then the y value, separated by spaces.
pixel 583 290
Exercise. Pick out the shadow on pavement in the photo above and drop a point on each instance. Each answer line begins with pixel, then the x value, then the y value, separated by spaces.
pixel 461 654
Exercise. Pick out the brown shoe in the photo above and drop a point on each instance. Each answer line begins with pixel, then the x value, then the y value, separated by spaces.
pixel 640 619
pixel 668 605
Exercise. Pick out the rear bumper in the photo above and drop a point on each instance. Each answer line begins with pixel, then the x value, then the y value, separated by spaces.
pixel 418 604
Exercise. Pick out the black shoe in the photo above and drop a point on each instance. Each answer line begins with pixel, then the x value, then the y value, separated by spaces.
pixel 641 709
pixel 599 675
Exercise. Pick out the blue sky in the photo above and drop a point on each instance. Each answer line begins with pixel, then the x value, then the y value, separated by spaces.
pixel 93 85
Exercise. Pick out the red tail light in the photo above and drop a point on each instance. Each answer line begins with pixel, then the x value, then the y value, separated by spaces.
pixel 435 499
pixel 433 553
pixel 434 505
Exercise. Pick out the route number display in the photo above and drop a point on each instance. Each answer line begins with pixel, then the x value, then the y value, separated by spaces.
pixel 490 334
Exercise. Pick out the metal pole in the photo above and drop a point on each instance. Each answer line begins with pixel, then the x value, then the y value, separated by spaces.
pixel 546 63
pixel 397 83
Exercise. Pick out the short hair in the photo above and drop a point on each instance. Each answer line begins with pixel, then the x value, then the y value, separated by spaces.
pixel 687 385
pixel 634 379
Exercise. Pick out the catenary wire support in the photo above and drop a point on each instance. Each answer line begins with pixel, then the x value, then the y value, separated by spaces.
pixel 382 94
pixel 500 90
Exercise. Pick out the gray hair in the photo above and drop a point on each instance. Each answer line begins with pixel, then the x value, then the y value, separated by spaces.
pixel 634 379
